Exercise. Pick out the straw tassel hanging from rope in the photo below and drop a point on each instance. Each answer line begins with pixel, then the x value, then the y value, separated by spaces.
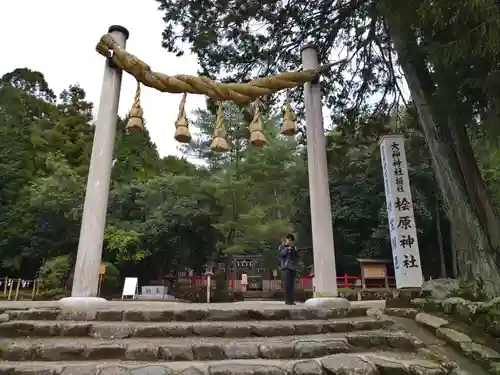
pixel 136 121
pixel 257 137
pixel 220 142
pixel 289 122
pixel 181 125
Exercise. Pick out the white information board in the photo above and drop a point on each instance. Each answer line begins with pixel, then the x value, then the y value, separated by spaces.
pixel 402 229
pixel 130 287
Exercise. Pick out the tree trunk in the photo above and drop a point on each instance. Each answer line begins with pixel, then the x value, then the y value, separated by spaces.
pixel 440 241
pixel 278 209
pixel 474 252
pixel 474 183
pixel 454 262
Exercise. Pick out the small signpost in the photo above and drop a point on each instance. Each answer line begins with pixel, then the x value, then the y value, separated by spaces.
pixel 102 272
pixel 374 270
pixel 130 287
pixel 208 274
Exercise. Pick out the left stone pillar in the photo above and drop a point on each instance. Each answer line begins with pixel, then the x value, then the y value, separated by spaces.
pixel 88 260
pixel 325 274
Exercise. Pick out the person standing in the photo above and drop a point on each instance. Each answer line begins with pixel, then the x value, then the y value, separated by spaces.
pixel 288 259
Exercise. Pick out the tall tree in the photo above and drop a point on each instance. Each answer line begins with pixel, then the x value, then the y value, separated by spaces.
pixel 161 215
pixel 451 90
pixel 253 187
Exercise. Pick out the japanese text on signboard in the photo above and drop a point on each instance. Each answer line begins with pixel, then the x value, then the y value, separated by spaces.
pixel 401 220
pixel 403 206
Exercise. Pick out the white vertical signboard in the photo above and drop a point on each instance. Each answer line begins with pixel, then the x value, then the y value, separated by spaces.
pixel 403 233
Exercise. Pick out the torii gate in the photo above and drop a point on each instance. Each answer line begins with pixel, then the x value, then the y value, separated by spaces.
pixel 112 46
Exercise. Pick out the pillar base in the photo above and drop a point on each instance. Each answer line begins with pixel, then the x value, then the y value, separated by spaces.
pixel 82 302
pixel 328 302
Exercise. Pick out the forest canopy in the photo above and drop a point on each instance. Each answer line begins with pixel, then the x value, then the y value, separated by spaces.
pixel 168 213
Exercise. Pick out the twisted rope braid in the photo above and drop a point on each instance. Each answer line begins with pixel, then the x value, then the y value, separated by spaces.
pixel 240 93
pixel 137 96
pixel 182 104
pixel 135 121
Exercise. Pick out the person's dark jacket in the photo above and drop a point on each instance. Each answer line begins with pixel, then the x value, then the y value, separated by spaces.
pixel 288 257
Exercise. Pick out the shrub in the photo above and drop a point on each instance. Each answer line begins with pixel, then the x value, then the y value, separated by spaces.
pixel 52 294
pixel 110 281
pixel 111 270
pixel 53 273
pixel 199 295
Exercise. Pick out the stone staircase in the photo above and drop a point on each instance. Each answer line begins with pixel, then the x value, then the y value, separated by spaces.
pixel 233 340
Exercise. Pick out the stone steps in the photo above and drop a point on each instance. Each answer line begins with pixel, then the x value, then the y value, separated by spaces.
pixel 189 349
pixel 225 339
pixel 367 363
pixel 186 314
pixel 116 330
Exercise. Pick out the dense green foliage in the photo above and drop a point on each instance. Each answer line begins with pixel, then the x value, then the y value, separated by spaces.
pixel 166 213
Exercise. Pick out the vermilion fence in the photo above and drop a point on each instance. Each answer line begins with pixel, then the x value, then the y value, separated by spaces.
pixel 345 281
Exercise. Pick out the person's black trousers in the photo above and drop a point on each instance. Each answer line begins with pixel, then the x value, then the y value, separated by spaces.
pixel 289 280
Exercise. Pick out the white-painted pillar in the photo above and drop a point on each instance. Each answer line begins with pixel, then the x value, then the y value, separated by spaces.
pixel 88 260
pixel 325 275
